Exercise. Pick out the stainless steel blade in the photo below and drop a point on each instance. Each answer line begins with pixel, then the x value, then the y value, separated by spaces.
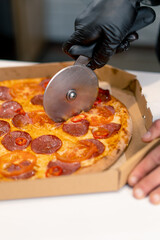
pixel 70 91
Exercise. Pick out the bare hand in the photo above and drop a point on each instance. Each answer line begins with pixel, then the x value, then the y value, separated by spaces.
pixel 145 178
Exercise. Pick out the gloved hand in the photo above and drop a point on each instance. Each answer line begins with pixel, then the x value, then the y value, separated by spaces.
pixel 106 27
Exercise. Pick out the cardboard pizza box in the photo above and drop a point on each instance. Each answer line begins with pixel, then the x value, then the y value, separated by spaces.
pixel 127 89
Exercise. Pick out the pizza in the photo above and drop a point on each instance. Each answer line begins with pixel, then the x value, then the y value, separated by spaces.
pixel 32 146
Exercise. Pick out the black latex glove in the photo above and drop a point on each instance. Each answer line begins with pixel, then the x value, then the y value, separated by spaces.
pixel 151 2
pixel 106 27
pixel 158 46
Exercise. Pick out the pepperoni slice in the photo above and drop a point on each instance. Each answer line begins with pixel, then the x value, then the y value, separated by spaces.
pixel 112 127
pixel 37 100
pixel 76 129
pixel 100 146
pixel 17 165
pixel 104 95
pixel 5 93
pixel 46 144
pixel 25 175
pixel 21 120
pixel 83 150
pixel 4 127
pixel 16 140
pixel 61 168
pixel 44 83
pixel 106 130
pixel 9 109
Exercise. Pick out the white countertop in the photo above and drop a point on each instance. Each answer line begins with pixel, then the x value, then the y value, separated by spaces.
pixel 102 216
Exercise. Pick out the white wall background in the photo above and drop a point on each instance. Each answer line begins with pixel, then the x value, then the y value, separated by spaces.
pixel 59 16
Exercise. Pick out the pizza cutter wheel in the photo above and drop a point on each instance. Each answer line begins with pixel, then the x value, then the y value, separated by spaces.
pixel 70 91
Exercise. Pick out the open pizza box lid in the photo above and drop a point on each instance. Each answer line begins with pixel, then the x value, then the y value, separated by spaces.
pixel 127 89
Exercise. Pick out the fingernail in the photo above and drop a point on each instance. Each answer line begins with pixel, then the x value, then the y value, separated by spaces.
pixel 133 180
pixel 156 198
pixel 138 193
pixel 147 135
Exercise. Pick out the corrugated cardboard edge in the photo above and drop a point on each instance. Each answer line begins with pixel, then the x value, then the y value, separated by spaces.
pixel 145 111
pixel 31 71
pixel 64 185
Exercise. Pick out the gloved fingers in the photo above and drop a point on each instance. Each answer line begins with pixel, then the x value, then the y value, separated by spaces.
pixel 145 16
pixel 73 40
pixel 101 54
pixel 151 2
pixel 83 37
pixel 125 44
pixel 87 51
pixel 123 47
pixel 77 50
pixel 132 37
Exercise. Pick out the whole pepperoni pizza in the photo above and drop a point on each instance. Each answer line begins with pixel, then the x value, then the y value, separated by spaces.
pixel 33 146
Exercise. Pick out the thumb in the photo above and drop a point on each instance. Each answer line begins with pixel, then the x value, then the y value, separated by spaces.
pixel 145 16
pixel 153 132
pixel 82 38
pixel 87 51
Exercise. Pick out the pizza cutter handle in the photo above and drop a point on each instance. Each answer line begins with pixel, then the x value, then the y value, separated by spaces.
pixel 82 60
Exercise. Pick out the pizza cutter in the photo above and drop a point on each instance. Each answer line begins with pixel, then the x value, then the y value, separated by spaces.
pixel 70 91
